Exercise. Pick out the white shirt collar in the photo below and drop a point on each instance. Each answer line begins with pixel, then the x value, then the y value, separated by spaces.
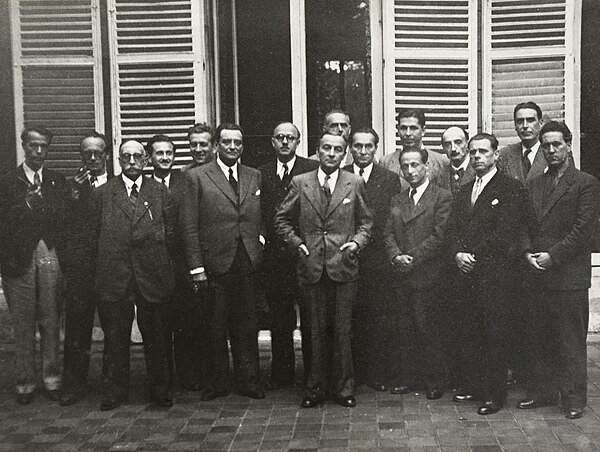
pixel 463 165
pixel 226 168
pixel 129 183
pixel 420 190
pixel 100 180
pixel 167 179
pixel 366 171
pixel 485 179
pixel 29 173
pixel 289 164
pixel 533 152
pixel 333 177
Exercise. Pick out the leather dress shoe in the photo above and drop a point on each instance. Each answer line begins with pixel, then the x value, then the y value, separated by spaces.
pixel 574 413
pixel 211 394
pixel 111 401
pixel 528 404
pixel 489 407
pixel 403 389
pixel 434 394
pixel 24 399
pixel 345 401
pixel 51 394
pixel 379 387
pixel 71 396
pixel 312 400
pixel 465 398
pixel 254 392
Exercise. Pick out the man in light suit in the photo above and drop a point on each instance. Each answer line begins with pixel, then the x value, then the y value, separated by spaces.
pixel 279 266
pixel 133 267
pixel 566 207
pixel 487 221
pixel 326 220
pixel 223 238
pixel 414 238
pixel 375 313
pixel 188 320
pixel 76 254
pixel 458 171
pixel 411 128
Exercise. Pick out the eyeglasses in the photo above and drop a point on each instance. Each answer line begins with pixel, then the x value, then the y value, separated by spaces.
pixel 126 158
pixel 289 138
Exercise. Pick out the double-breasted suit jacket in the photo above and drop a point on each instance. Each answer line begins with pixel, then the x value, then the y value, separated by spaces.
pixel 133 241
pixel 323 227
pixel 446 178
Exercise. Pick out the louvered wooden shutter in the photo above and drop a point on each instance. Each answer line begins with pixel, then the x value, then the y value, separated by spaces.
pixel 529 54
pixel 158 70
pixel 57 74
pixel 430 52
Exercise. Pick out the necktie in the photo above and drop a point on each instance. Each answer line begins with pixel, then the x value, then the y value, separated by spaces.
pixel 361 172
pixel 327 188
pixel 458 174
pixel 36 179
pixel 133 196
pixel 526 162
pixel 232 181
pixel 285 172
pixel 476 191
pixel 551 181
pixel 93 180
pixel 413 192
pixel 164 181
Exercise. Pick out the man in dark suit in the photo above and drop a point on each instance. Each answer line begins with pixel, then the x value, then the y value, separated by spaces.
pixel 32 207
pixel 414 238
pixel 375 316
pixel 223 238
pixel 337 122
pixel 188 321
pixel 326 220
pixel 133 267
pixel 76 254
pixel 279 264
pixel 487 221
pixel 200 137
pixel 566 207
pixel 458 171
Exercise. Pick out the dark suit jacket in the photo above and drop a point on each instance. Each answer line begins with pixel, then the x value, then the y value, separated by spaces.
pixel 176 192
pixel 323 227
pixel 446 178
pixel 21 228
pixel 213 219
pixel 492 229
pixel 510 162
pixel 564 227
pixel 133 241
pixel 420 231
pixel 436 161
pixel 383 184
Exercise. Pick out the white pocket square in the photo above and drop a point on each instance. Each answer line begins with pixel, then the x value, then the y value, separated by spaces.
pixel 257 192
pixel 346 201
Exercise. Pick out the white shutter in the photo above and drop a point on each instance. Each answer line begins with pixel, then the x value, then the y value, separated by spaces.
pixel 430 57
pixel 158 67
pixel 530 53
pixel 57 73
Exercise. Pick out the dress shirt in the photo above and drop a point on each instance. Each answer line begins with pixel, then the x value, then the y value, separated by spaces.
pixel 129 183
pixel 485 179
pixel 289 164
pixel 167 179
pixel 333 177
pixel 463 166
pixel 534 149
pixel 366 171
pixel 560 171
pixel 100 180
pixel 226 168
pixel 30 174
pixel 420 190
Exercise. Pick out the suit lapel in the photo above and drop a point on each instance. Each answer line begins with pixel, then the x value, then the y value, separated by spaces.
pixel 424 203
pixel 143 202
pixel 121 199
pixel 216 175
pixel 313 194
pixel 563 185
pixel 487 193
pixel 244 182
pixel 538 165
pixel 341 189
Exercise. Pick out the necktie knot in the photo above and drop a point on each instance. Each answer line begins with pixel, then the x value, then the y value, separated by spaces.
pixel 93 180
pixel 37 180
pixel 526 161
pixel 413 192
pixel 133 196
pixel 232 181
pixel 285 171
pixel 476 191
pixel 327 187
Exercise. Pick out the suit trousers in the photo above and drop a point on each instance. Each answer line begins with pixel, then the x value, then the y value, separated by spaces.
pixel 556 345
pixel 152 318
pixel 330 303
pixel 232 310
pixel 33 302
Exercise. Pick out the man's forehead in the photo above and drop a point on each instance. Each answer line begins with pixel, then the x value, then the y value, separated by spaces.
pixel 132 146
pixel 526 113
pixel 363 136
pixel 453 133
pixel 286 128
pixel 332 140
pixel 93 142
pixel 231 134
pixel 32 135
pixel 480 144
pixel 204 136
pixel 554 135
pixel 410 121
pixel 337 118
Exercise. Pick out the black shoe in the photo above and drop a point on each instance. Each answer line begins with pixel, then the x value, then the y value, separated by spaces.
pixel 252 391
pixel 434 394
pixel 111 401
pixel 465 398
pixel 345 401
pixel 312 400
pixel 51 394
pixel 25 399
pixel 379 387
pixel 404 389
pixel 211 393
pixel 489 407
pixel 527 404
pixel 573 413
pixel 71 396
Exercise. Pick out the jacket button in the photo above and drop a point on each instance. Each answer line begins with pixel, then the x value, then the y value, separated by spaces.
pixel 324 232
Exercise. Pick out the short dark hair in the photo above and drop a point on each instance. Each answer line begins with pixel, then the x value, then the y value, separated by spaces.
pixel 418 150
pixel 557 126
pixel 97 135
pixel 42 130
pixel 365 130
pixel 465 133
pixel 159 139
pixel 412 113
pixel 486 136
pixel 287 122
pixel 325 132
pixel 529 104
pixel 334 111
pixel 201 127
pixel 226 126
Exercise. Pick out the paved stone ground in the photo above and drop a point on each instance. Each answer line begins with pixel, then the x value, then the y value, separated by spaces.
pixel 379 421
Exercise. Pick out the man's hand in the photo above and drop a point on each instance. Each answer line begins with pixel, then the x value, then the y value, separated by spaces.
pixel 465 262
pixel 198 281
pixel 303 250
pixel 351 246
pixel 33 196
pixel 544 260
pixel 532 261
pixel 81 176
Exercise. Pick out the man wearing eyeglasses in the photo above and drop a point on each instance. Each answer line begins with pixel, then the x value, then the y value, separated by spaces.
pixel 279 266
pixel 223 238
pixel 200 137
pixel 76 254
pixel 134 228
